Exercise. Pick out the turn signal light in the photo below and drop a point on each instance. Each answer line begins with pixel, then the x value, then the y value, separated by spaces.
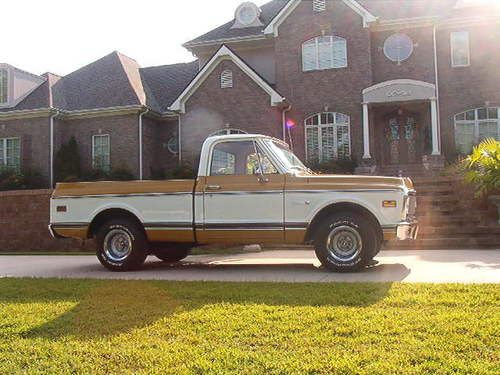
pixel 389 204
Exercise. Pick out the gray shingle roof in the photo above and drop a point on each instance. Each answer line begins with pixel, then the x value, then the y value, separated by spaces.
pixel 168 81
pixel 269 11
pixel 396 9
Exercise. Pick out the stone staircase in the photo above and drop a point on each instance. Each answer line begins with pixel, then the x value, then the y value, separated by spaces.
pixel 450 217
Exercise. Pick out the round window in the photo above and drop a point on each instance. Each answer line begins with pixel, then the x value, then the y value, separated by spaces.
pixel 247 13
pixel 173 145
pixel 398 47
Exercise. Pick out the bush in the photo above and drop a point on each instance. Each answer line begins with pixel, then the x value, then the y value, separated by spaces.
pixel 482 167
pixel 341 166
pixel 182 172
pixel 11 179
pixel 67 163
pixel 118 174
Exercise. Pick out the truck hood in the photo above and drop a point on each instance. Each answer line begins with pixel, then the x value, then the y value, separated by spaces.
pixel 356 183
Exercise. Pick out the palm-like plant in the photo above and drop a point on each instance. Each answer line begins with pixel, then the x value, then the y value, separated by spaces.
pixel 482 167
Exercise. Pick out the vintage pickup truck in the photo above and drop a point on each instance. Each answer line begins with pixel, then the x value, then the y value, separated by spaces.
pixel 250 189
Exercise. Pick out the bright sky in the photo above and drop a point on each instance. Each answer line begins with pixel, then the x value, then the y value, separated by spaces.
pixel 61 36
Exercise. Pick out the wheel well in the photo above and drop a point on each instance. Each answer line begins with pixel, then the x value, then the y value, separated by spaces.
pixel 113 213
pixel 342 207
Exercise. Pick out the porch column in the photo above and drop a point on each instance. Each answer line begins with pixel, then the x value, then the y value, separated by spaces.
pixel 366 132
pixel 435 130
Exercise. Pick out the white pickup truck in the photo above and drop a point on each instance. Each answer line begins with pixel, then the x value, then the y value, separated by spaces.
pixel 250 189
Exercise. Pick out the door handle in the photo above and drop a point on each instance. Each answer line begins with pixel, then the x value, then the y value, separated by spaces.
pixel 213 187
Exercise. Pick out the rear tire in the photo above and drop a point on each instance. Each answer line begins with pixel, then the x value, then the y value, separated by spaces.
pixel 171 253
pixel 121 245
pixel 346 242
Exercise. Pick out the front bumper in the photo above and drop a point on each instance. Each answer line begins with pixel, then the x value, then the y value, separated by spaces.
pixel 402 232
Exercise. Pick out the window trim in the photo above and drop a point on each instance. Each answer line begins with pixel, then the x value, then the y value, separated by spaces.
pixel 452 47
pixel 94 136
pixel 333 38
pixel 321 126
pixel 4 156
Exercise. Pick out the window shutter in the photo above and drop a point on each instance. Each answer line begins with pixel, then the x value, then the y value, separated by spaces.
pixel 325 57
pixel 339 52
pixel 309 55
pixel 226 79
pixel 319 5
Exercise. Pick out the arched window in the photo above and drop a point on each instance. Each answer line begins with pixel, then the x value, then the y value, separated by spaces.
pixel 328 137
pixel 226 79
pixel 324 52
pixel 471 127
pixel 227 131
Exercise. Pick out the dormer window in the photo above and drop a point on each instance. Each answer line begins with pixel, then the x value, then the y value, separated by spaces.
pixel 226 79
pixel 319 5
pixel 247 15
pixel 4 86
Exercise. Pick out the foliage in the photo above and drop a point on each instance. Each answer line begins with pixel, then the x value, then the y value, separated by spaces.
pixel 182 172
pixel 11 179
pixel 482 167
pixel 143 327
pixel 340 166
pixel 67 162
pixel 118 174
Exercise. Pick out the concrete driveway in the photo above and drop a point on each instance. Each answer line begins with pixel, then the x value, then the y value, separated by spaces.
pixel 458 266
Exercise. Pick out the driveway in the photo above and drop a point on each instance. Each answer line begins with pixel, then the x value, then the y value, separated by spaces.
pixel 457 266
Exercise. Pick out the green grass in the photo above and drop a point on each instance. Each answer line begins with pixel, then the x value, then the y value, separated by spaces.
pixel 119 327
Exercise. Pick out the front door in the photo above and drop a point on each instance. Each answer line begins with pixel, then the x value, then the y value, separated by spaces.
pixel 239 205
pixel 401 138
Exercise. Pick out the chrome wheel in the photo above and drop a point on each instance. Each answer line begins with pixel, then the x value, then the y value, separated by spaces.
pixel 344 243
pixel 117 245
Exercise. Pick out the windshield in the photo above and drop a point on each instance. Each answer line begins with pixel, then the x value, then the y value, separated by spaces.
pixel 287 157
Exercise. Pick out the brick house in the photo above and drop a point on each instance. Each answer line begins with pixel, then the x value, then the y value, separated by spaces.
pixel 395 85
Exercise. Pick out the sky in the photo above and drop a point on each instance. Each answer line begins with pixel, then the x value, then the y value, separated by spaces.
pixel 61 36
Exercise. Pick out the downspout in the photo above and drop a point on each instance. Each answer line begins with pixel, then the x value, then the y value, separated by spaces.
pixel 141 176
pixel 51 140
pixel 179 137
pixel 436 77
pixel 283 119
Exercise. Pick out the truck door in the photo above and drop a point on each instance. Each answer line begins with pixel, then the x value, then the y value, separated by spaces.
pixel 243 196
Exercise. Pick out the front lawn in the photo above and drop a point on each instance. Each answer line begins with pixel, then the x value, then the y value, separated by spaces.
pixel 117 327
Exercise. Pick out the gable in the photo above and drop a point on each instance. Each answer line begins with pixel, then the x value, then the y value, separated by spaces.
pixel 224 54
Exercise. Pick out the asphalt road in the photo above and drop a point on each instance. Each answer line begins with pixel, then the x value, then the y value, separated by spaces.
pixel 458 266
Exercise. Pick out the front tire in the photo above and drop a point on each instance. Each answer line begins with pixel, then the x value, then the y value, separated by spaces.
pixel 346 242
pixel 121 245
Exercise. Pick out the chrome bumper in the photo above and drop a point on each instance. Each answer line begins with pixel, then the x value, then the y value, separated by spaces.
pixel 407 231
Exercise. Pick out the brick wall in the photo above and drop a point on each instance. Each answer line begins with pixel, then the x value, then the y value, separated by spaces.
pixel 24 218
pixel 338 89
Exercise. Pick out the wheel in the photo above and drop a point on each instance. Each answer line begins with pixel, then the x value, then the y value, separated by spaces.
pixel 172 253
pixel 121 245
pixel 346 242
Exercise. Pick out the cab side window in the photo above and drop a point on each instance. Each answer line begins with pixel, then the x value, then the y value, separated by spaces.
pixel 239 158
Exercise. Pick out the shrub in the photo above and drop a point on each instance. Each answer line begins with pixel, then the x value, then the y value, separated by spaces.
pixel 482 167
pixel 341 166
pixel 183 172
pixel 118 174
pixel 11 179
pixel 67 163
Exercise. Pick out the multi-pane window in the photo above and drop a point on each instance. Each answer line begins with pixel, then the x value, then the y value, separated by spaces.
pixel 319 5
pixel 472 127
pixel 324 52
pixel 101 153
pixel 227 131
pixel 328 137
pixel 4 86
pixel 460 48
pixel 10 153
pixel 226 79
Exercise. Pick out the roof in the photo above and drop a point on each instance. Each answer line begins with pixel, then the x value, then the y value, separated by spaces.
pixel 168 81
pixel 224 32
pixel 225 53
pixel 397 9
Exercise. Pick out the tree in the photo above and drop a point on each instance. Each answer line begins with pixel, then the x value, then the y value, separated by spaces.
pixel 67 163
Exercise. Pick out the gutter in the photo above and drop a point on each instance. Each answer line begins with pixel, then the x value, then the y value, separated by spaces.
pixel 179 136
pixel 140 143
pixel 51 141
